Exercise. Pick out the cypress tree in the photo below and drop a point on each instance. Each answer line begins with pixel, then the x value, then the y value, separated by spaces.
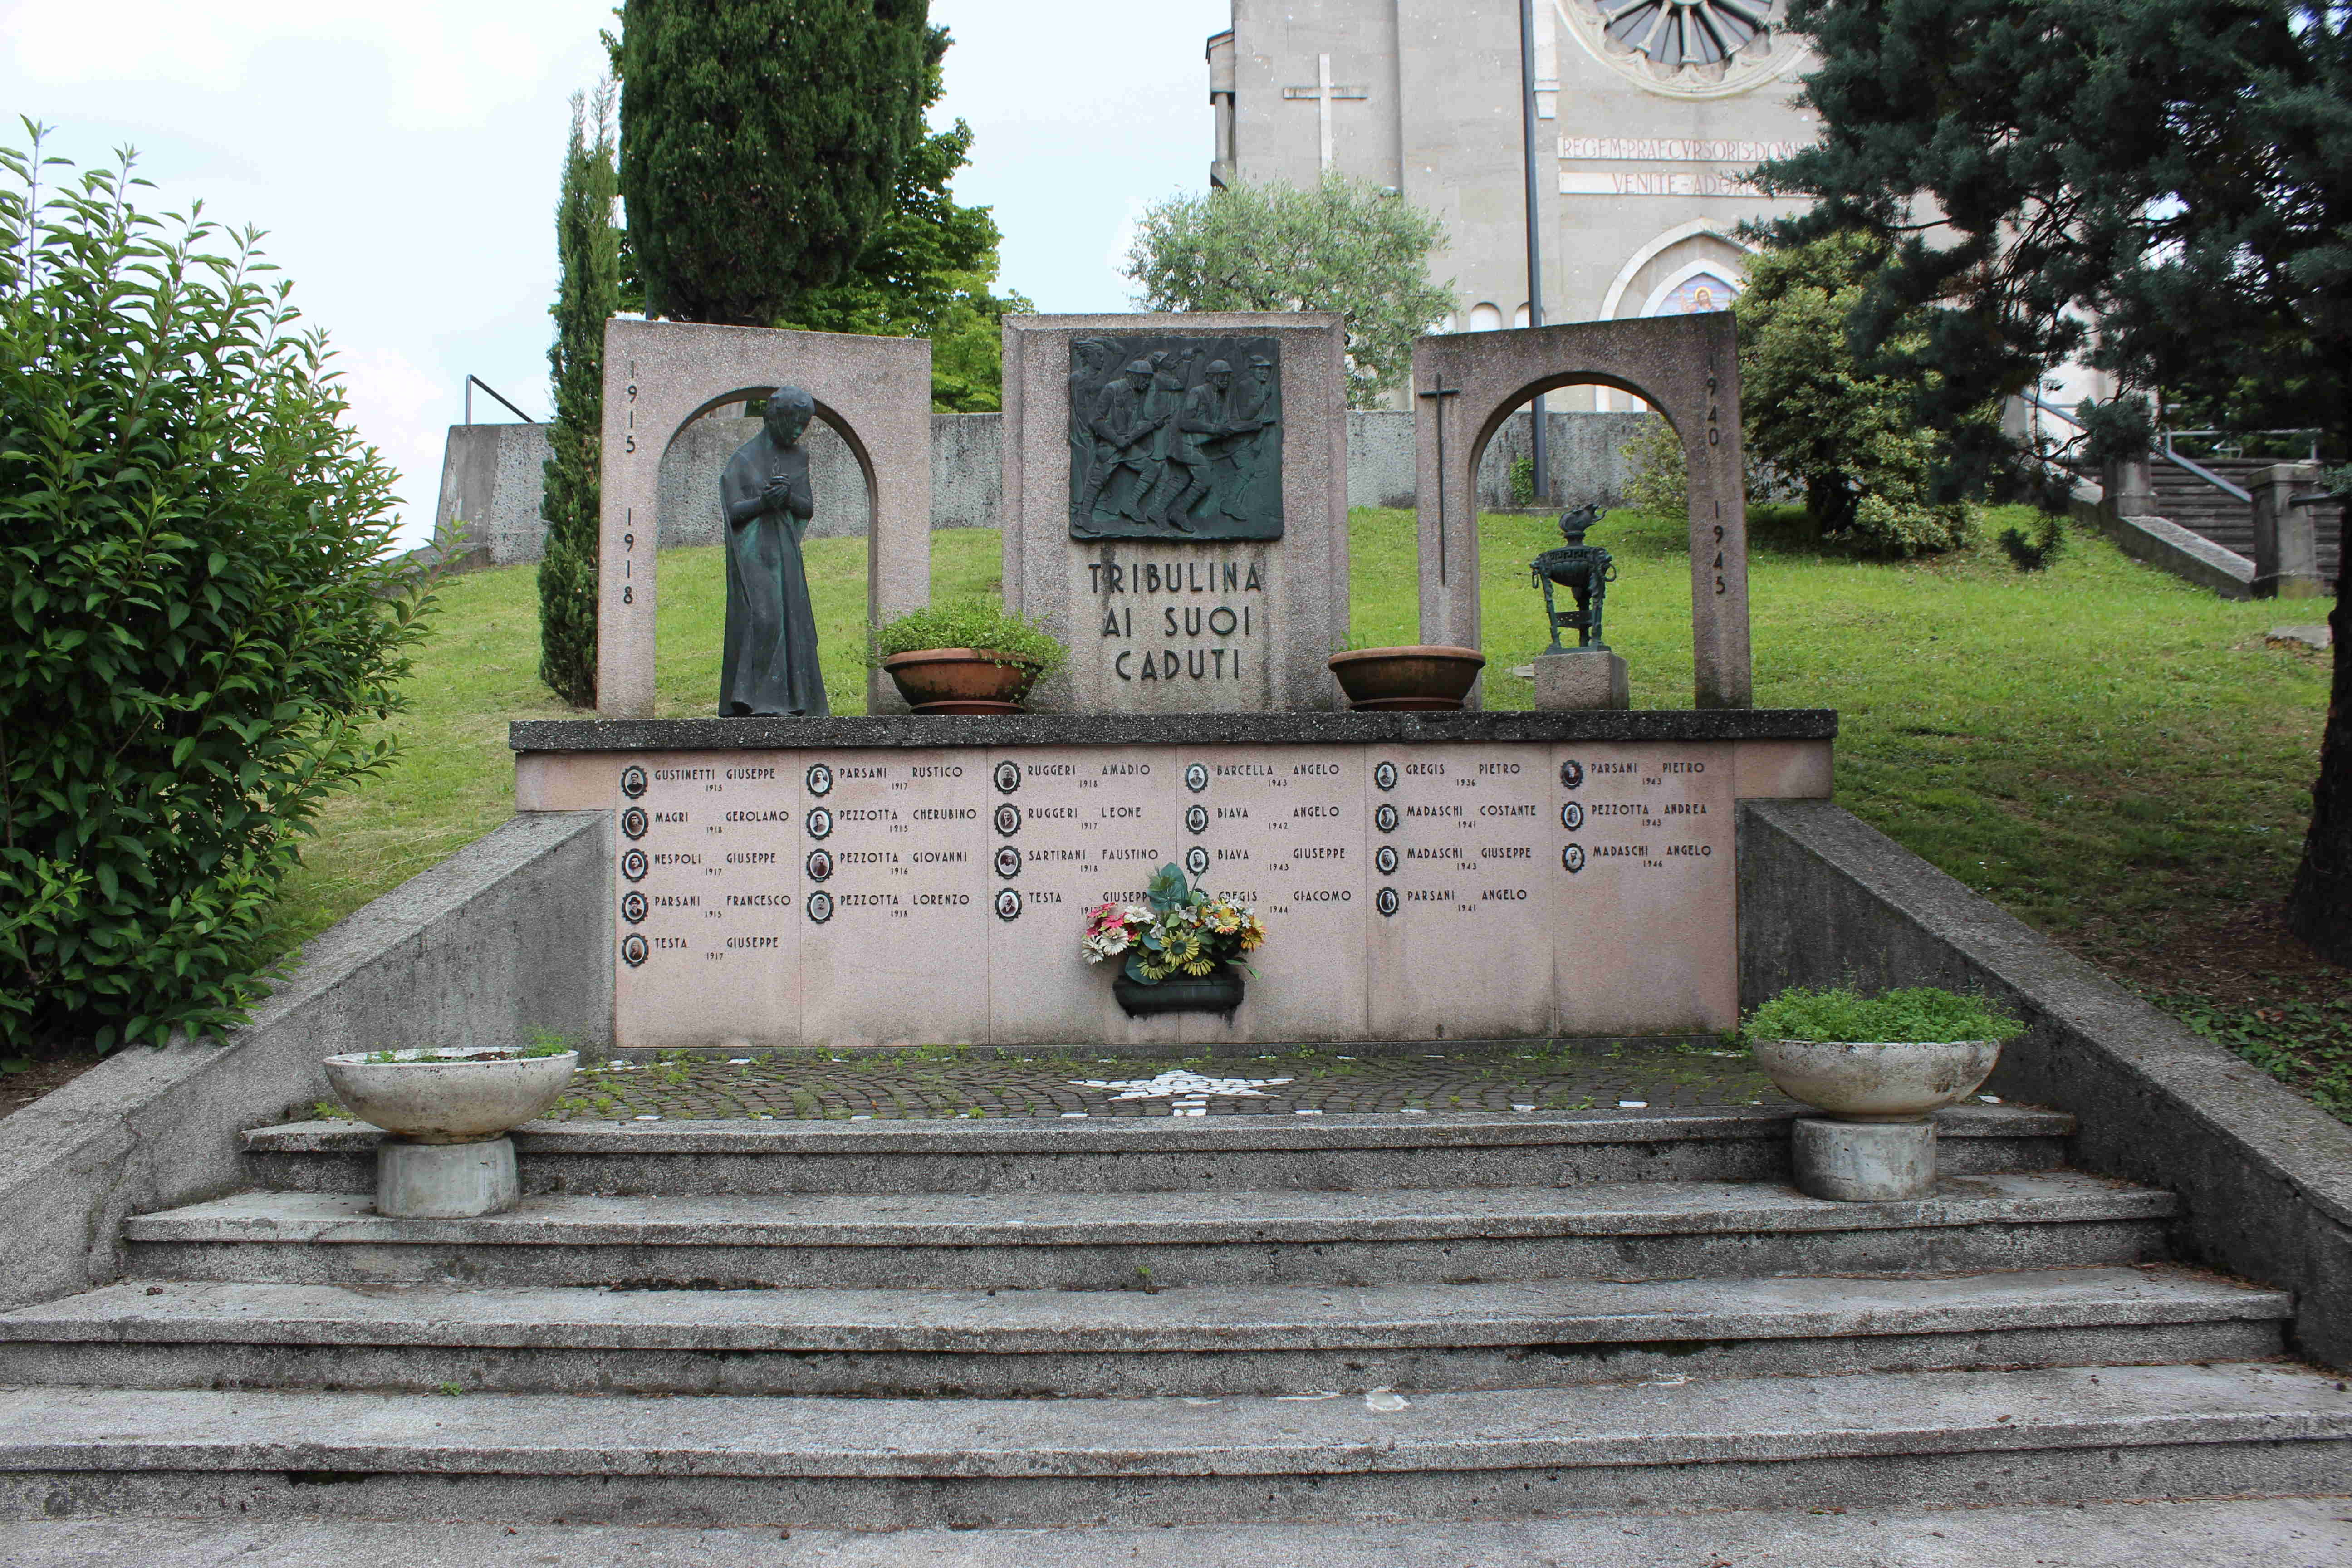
pixel 761 143
pixel 588 250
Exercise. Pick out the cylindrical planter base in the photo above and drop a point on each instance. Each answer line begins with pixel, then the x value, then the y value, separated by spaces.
pixel 445 1181
pixel 1864 1161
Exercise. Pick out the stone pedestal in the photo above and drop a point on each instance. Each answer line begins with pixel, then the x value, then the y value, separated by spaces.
pixel 445 1181
pixel 1864 1161
pixel 2286 539
pixel 2131 487
pixel 1181 526
pixel 1580 677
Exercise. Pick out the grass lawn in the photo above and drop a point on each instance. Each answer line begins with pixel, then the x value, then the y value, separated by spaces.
pixel 2119 758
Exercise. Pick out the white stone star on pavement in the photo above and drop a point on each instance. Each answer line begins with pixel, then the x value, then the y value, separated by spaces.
pixel 1182 1084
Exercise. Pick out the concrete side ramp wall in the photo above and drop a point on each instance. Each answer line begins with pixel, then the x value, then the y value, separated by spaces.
pixel 2267 1174
pixel 506 937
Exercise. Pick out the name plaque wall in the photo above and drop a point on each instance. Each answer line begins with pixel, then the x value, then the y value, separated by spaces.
pixel 1422 892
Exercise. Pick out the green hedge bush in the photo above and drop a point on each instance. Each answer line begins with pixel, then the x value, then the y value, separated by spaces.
pixel 199 616
pixel 1922 1013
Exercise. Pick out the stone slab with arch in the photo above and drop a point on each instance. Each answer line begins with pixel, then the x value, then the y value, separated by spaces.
pixel 661 376
pixel 1686 367
pixel 1236 624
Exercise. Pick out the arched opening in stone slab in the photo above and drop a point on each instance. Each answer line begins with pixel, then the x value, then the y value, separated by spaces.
pixel 1685 367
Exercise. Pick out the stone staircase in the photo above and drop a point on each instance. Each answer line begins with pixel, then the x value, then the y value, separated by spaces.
pixel 2184 499
pixel 1159 1322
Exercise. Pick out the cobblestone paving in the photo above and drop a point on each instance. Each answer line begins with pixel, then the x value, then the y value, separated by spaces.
pixel 933 1084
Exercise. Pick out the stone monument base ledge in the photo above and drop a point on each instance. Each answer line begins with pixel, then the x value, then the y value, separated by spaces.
pixel 859 882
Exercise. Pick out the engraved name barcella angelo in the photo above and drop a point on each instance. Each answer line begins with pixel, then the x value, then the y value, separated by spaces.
pixel 1182 618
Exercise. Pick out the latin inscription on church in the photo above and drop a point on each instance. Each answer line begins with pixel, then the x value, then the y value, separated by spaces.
pixel 1430 892
pixel 1175 438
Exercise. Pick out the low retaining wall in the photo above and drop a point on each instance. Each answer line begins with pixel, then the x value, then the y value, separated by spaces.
pixel 505 937
pixel 492 475
pixel 2266 1174
pixel 2165 545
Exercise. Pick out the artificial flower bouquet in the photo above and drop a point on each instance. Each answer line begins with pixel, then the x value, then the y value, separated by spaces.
pixel 1181 931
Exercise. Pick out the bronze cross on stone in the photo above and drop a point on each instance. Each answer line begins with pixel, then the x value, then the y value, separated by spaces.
pixel 1439 392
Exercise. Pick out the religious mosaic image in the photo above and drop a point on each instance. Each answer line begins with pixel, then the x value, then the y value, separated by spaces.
pixel 1175 438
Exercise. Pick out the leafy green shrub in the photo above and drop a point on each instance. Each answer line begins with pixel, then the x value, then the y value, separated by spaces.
pixel 973 623
pixel 1342 245
pixel 1661 482
pixel 2036 553
pixel 1523 481
pixel 199 613
pixel 1814 413
pixel 1915 1012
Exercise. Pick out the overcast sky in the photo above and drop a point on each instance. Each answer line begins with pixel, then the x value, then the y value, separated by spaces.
pixel 403 158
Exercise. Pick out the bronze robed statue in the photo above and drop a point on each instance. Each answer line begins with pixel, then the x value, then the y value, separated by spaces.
pixel 770 667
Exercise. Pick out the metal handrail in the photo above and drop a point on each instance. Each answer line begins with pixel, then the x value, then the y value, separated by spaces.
pixel 2052 409
pixel 473 381
pixel 2311 447
pixel 2202 472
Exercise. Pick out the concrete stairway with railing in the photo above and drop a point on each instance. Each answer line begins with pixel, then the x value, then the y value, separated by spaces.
pixel 1160 1322
pixel 2201 506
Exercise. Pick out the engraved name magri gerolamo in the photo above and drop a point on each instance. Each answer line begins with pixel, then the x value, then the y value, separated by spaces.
pixel 1175 438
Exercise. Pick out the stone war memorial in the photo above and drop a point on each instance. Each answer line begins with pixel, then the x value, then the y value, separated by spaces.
pixel 1174 497
pixel 1201 1101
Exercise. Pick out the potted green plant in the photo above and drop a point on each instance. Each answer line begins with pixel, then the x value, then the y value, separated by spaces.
pixel 1414 678
pixel 969 657
pixel 1179 952
pixel 1891 1056
pixel 1876 1066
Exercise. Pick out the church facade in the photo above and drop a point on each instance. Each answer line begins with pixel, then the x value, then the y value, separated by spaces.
pixel 1649 113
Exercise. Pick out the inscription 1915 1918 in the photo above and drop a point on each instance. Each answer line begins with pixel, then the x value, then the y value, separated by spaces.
pixel 1175 438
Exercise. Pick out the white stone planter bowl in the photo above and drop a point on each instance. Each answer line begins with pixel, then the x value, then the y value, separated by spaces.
pixel 1877 1080
pixel 448 1095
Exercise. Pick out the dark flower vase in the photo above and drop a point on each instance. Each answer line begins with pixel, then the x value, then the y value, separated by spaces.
pixel 1219 991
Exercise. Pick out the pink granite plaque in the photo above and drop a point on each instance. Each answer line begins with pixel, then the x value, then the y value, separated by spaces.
pixel 1282 829
pixel 1070 829
pixel 1459 946
pixel 706 940
pixel 895 946
pixel 1431 892
pixel 1643 882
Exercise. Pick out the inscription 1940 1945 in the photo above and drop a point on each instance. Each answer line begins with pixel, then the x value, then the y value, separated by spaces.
pixel 1175 438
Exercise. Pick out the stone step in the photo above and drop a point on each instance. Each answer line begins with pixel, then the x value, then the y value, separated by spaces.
pixel 1160 1153
pixel 1633 1230
pixel 1920 1440
pixel 2277 1532
pixel 1209 1340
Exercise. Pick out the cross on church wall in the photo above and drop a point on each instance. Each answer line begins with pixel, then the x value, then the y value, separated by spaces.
pixel 1322 95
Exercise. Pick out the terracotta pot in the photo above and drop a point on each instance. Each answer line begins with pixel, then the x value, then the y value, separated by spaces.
pixel 1421 679
pixel 1219 991
pixel 961 679
pixel 1876 1080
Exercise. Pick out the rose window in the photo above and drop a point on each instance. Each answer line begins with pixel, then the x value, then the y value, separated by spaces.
pixel 1685 48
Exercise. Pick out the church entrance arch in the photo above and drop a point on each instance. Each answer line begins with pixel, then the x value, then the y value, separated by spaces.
pixel 661 376
pixel 1686 367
